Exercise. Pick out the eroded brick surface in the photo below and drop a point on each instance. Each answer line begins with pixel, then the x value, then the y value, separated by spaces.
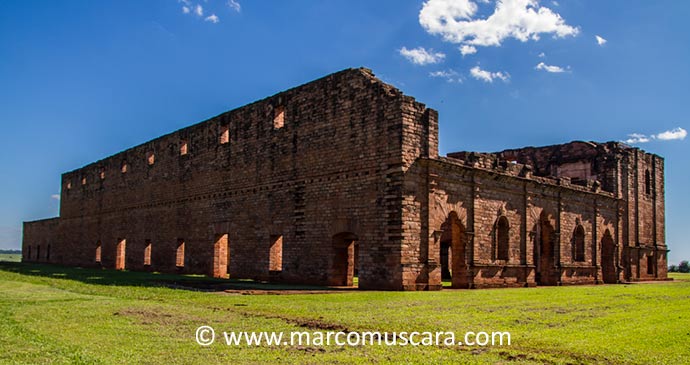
pixel 291 188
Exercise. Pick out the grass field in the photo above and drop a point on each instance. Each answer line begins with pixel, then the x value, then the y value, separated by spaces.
pixel 10 257
pixel 52 314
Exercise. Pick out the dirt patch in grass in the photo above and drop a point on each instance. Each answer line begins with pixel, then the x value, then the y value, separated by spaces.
pixel 150 317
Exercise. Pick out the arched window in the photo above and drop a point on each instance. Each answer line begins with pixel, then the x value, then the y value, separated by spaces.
pixel 647 182
pixel 502 239
pixel 579 244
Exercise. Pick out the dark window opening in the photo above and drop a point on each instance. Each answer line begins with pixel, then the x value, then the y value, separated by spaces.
pixel 502 239
pixel 579 244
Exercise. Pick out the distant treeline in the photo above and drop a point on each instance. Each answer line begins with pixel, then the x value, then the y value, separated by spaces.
pixel 11 252
pixel 683 267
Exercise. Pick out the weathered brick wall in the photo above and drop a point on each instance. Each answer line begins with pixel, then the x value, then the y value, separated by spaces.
pixel 292 187
pixel 328 170
pixel 480 196
pixel 39 243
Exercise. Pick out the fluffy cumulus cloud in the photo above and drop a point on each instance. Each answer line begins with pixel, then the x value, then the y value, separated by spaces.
pixel 677 133
pixel 448 75
pixel 488 76
pixel 420 56
pixel 457 22
pixel 669 135
pixel 467 49
pixel 600 40
pixel 549 68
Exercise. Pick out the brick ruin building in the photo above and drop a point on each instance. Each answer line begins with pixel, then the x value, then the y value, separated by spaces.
pixel 341 176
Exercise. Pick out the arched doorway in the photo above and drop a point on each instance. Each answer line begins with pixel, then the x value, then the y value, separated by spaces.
pixel 608 254
pixel 543 252
pixel 343 255
pixel 453 251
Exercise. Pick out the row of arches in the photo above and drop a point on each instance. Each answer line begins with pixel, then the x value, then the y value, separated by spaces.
pixel 342 264
pixel 455 253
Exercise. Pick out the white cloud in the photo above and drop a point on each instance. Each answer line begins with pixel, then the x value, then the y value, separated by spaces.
pixel 467 49
pixel 449 75
pixel 600 40
pixel 421 56
pixel 55 196
pixel 185 10
pixel 524 20
pixel 677 133
pixel 669 135
pixel 198 10
pixel 234 5
pixel 549 68
pixel 542 55
pixel 488 76
pixel 555 3
pixel 637 138
pixel 213 18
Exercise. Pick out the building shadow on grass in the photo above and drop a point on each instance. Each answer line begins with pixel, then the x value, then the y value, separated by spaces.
pixel 99 276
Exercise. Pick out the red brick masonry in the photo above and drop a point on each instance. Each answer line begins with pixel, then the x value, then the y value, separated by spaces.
pixel 341 176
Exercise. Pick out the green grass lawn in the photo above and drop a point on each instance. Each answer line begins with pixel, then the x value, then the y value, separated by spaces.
pixel 52 314
pixel 10 257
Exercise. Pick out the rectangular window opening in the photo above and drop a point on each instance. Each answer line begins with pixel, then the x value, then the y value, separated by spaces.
pixel 220 256
pixel 279 117
pixel 98 252
pixel 147 253
pixel 650 265
pixel 120 254
pixel 224 134
pixel 183 147
pixel 179 258
pixel 150 158
pixel 83 180
pixel 275 259
pixel 125 167
pixel 69 185
pixel 102 174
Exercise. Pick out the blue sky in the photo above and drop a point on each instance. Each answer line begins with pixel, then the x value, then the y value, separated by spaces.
pixel 81 80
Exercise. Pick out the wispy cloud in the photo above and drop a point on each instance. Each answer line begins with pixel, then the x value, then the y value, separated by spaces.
pixel 234 5
pixel 420 56
pixel 549 68
pixel 448 75
pixel 600 40
pixel 669 135
pixel 196 9
pixel 55 196
pixel 457 22
pixel 542 55
pixel 488 76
